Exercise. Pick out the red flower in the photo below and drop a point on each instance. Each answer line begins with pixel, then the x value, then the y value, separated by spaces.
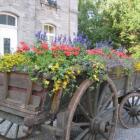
pixel 120 54
pixel 67 53
pixel 23 47
pixel 37 51
pixel 95 52
pixel 76 53
pixel 44 46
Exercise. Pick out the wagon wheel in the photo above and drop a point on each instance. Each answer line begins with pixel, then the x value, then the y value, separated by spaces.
pixel 91 120
pixel 129 111
pixel 13 131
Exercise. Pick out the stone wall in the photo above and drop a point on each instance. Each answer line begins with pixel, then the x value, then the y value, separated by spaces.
pixel 25 11
pixel 32 16
pixel 64 19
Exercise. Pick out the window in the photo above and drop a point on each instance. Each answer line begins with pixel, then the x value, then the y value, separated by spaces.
pixel 6 45
pixel 50 32
pixel 52 3
pixel 7 20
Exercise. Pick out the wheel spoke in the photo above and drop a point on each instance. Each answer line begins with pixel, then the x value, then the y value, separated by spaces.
pixel 129 104
pixel 85 113
pixel 90 105
pixel 126 108
pixel 133 100
pixel 81 135
pixel 102 96
pixel 2 121
pixel 128 119
pixel 106 104
pixel 136 103
pixel 137 119
pixel 104 135
pixel 108 111
pixel 133 120
pixel 80 124
pixel 94 136
pixel 17 130
pixel 8 129
pixel 90 137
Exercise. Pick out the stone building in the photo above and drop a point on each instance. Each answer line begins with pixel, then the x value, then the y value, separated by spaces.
pixel 20 19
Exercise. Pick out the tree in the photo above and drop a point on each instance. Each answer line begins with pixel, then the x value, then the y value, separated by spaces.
pixel 116 20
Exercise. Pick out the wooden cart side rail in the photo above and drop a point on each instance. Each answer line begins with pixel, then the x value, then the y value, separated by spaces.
pixel 19 80
pixel 19 111
pixel 16 89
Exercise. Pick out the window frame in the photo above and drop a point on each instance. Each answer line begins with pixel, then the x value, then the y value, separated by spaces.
pixel 50 34
pixel 11 15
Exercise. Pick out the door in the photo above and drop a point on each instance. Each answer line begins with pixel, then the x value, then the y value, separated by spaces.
pixel 8 33
pixel 8 40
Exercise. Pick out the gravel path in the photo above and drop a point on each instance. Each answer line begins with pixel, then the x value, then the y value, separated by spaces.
pixel 127 134
pixel 121 134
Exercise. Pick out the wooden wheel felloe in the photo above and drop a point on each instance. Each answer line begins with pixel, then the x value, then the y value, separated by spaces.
pixel 129 111
pixel 12 131
pixel 92 112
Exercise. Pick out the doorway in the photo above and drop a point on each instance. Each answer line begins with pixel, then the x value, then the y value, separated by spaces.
pixel 8 33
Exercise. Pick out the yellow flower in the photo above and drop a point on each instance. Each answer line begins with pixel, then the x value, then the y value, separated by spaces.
pixel 137 66
pixel 69 72
pixel 95 77
pixel 78 71
pixel 73 76
pixel 65 83
pixel 66 77
pixel 55 67
pixel 46 82
pixel 58 82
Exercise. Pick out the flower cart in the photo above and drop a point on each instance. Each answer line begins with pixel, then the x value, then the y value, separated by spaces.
pixel 82 100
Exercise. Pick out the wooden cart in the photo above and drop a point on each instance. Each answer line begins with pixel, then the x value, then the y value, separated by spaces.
pixel 90 113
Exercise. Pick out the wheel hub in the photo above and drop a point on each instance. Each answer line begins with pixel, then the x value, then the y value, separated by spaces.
pixel 135 110
pixel 98 124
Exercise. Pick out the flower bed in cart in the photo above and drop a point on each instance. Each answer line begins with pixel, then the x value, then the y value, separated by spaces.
pixel 59 66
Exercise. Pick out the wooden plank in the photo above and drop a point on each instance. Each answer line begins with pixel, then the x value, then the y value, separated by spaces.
pixel 17 110
pixel 1 92
pixel 5 86
pixel 35 102
pixel 19 100
pixel 17 96
pixel 29 93
pixel 20 80
pixel 1 78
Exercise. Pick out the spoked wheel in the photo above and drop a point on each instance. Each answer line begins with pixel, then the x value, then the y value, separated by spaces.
pixel 129 111
pixel 13 131
pixel 92 112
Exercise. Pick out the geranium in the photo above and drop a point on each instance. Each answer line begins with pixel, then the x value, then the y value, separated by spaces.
pixel 23 47
pixel 37 51
pixel 120 54
pixel 67 50
pixel 95 52
pixel 44 46
pixel 110 53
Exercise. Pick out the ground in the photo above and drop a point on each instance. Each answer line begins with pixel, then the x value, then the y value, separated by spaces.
pixel 121 134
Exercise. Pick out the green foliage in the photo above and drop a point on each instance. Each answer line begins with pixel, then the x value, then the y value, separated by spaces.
pixel 135 51
pixel 118 20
